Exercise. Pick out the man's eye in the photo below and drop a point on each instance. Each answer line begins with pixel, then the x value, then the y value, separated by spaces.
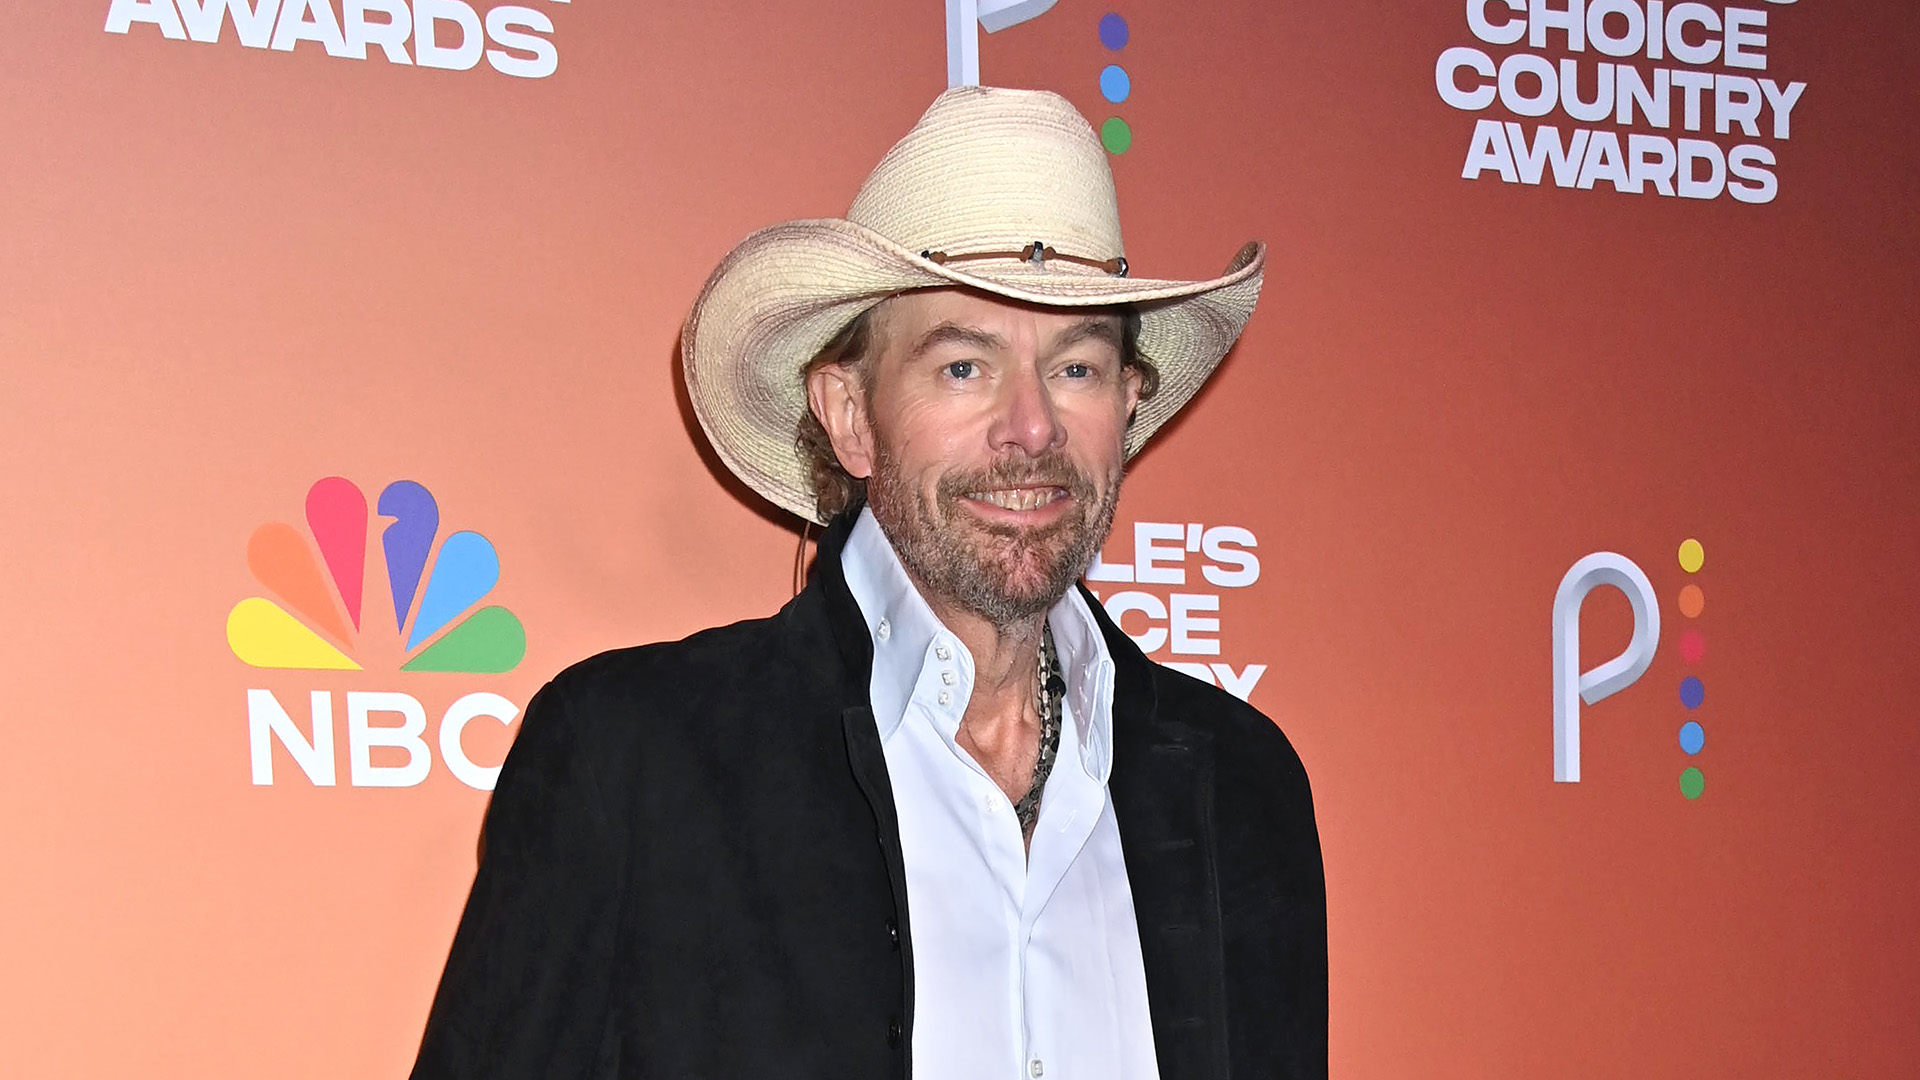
pixel 1077 371
pixel 960 369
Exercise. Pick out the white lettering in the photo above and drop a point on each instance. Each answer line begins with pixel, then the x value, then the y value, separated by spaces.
pixel 458 715
pixel 1185 641
pixel 1602 104
pixel 1546 150
pixel 504 26
pixel 1625 44
pixel 252 22
pixel 391 34
pixel 428 50
pixel 309 20
pixel 1539 103
pixel 122 14
pixel 1214 543
pixel 1743 36
pixel 1489 150
pixel 1148 553
pixel 1677 21
pixel 1782 103
pixel 1650 159
pixel 1691 83
pixel 1736 100
pixel 267 719
pixel 1501 33
pixel 1752 163
pixel 1604 162
pixel 1690 184
pixel 1570 19
pixel 1631 89
pixel 362 737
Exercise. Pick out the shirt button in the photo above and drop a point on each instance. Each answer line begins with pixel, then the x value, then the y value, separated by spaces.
pixel 943 652
pixel 893 933
pixel 946 698
pixel 884 630
pixel 1034 1068
pixel 895 1032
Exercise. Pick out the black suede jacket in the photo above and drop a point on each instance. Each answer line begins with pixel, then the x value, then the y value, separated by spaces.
pixel 691 868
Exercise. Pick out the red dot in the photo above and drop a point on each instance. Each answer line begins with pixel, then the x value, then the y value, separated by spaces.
pixel 1693 647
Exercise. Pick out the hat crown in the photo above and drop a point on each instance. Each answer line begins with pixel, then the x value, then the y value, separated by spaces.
pixel 991 169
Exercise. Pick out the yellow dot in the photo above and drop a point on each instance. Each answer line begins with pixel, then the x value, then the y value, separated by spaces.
pixel 1692 555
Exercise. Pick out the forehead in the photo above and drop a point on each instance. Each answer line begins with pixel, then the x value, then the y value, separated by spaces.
pixel 903 320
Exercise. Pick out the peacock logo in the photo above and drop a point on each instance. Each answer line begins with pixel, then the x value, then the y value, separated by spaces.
pixel 315 622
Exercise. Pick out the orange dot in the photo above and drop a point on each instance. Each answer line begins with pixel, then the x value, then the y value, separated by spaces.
pixel 1692 601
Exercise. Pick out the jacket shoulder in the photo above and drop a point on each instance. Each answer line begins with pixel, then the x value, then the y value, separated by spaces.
pixel 1239 730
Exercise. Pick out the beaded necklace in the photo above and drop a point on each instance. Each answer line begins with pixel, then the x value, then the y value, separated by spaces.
pixel 1048 692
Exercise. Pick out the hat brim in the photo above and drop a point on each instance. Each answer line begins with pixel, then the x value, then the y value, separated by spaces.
pixel 776 300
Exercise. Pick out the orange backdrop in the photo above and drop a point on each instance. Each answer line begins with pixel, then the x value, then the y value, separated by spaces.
pixel 228 272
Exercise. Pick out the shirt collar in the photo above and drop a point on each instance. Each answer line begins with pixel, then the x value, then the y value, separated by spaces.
pixel 907 636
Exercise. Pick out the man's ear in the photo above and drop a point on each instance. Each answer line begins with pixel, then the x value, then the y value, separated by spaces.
pixel 1131 381
pixel 838 402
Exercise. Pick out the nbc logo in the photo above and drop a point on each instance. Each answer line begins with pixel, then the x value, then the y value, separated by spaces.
pixel 320 620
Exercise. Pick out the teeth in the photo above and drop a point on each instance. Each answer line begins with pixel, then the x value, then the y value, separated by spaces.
pixel 1019 498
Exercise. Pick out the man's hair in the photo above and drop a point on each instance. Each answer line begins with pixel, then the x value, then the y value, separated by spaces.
pixel 833 488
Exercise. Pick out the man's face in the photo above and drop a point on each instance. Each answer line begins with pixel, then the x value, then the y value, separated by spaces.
pixel 990 436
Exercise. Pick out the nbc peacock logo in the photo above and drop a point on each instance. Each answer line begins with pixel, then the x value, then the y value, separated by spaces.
pixel 316 621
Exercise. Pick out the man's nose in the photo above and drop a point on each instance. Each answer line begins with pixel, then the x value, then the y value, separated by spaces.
pixel 1027 418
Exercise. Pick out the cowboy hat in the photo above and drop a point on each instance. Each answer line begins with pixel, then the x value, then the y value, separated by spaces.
pixel 1003 191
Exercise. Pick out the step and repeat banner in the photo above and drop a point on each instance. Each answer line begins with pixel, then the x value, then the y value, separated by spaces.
pixel 1559 502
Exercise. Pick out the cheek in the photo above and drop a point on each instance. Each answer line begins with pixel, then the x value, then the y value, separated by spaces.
pixel 924 436
pixel 1097 428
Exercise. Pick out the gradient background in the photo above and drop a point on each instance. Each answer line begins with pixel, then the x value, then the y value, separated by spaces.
pixel 225 273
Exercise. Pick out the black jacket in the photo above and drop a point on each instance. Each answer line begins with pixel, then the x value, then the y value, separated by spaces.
pixel 691 868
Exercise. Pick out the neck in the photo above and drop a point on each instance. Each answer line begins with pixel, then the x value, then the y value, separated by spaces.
pixel 1001 727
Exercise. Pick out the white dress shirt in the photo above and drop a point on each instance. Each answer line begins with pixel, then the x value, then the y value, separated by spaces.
pixel 1025 964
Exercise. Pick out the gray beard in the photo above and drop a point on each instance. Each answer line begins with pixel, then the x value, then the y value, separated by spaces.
pixel 1006 575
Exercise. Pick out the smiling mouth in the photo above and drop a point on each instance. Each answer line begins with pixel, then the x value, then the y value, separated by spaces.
pixel 1025 498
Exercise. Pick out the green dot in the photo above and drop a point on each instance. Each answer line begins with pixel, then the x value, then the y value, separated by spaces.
pixel 1692 783
pixel 1115 135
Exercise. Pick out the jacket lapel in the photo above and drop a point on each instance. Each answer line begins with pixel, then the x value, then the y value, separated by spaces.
pixel 1162 789
pixel 865 756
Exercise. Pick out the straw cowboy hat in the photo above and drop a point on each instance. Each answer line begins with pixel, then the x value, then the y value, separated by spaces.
pixel 1004 191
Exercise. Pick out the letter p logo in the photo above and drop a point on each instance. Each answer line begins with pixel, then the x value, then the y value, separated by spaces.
pixel 1571 686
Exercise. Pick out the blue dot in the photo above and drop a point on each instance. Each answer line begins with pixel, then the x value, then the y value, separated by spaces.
pixel 1692 692
pixel 1113 31
pixel 1692 737
pixel 1114 84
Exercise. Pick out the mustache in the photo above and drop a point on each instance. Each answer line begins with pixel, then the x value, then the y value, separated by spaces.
pixel 1053 469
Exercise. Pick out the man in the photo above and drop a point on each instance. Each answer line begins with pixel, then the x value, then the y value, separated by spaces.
pixel 937 817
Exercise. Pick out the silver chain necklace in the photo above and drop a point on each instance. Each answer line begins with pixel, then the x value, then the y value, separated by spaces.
pixel 1048 692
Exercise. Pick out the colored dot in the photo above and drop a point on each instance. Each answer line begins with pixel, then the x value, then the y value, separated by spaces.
pixel 1692 737
pixel 1115 135
pixel 1692 646
pixel 1692 601
pixel 1114 84
pixel 1113 31
pixel 1692 692
pixel 1692 782
pixel 1692 555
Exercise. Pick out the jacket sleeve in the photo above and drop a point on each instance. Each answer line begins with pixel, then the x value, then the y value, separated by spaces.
pixel 526 989
pixel 1273 910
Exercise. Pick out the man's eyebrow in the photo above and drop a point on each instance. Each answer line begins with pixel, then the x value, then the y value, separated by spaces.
pixel 948 333
pixel 1094 327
